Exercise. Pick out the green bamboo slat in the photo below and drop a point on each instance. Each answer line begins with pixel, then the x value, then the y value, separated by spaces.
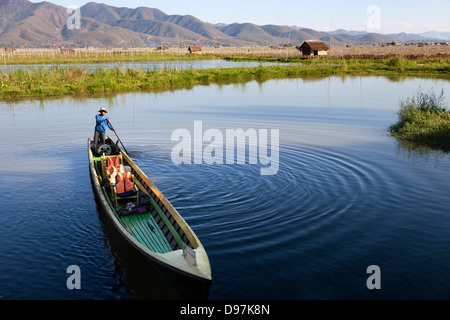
pixel 144 232
pixel 167 222
pixel 135 229
pixel 156 237
pixel 137 226
pixel 157 234
pixel 131 228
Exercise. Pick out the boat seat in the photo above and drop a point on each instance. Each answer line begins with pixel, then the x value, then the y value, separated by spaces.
pixel 111 164
pixel 114 170
pixel 125 178
pixel 126 196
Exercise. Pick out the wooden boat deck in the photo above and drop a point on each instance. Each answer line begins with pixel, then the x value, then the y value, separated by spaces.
pixel 153 239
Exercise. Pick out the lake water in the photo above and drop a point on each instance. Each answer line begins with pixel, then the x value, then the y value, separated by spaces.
pixel 346 195
pixel 149 65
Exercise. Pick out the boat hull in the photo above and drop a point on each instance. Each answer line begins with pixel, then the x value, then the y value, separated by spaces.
pixel 174 261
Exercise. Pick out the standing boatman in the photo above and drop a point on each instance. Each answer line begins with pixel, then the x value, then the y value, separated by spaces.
pixel 100 127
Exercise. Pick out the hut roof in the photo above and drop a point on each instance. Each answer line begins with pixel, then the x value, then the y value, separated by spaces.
pixel 315 45
pixel 195 48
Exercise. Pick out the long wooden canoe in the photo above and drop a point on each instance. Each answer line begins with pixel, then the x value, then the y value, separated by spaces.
pixel 160 234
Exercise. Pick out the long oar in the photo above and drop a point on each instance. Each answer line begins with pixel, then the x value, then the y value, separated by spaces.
pixel 118 137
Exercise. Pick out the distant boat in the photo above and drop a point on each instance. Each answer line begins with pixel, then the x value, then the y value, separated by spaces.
pixel 143 216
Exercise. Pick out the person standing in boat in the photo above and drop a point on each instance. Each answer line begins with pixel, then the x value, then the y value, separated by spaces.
pixel 101 121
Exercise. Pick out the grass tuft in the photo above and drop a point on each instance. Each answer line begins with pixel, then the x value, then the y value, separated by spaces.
pixel 425 120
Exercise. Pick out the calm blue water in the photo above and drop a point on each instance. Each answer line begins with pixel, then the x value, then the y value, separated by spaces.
pixel 346 195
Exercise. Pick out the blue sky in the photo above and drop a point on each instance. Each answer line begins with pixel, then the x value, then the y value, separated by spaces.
pixel 411 16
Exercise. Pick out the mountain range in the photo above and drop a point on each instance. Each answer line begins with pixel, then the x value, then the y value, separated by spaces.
pixel 27 24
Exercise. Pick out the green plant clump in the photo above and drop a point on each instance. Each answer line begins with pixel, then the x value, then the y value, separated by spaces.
pixel 425 120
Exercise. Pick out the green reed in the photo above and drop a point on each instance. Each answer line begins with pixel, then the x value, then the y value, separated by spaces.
pixel 63 80
pixel 424 119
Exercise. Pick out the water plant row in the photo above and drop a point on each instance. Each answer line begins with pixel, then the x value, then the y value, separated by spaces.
pixel 64 80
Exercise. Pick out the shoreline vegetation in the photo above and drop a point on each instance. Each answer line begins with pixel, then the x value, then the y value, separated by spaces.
pixel 424 120
pixel 69 80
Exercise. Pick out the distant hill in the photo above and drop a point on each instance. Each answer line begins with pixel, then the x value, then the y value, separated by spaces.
pixel 248 32
pixel 27 24
pixel 436 35
pixel 402 37
pixel 273 34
